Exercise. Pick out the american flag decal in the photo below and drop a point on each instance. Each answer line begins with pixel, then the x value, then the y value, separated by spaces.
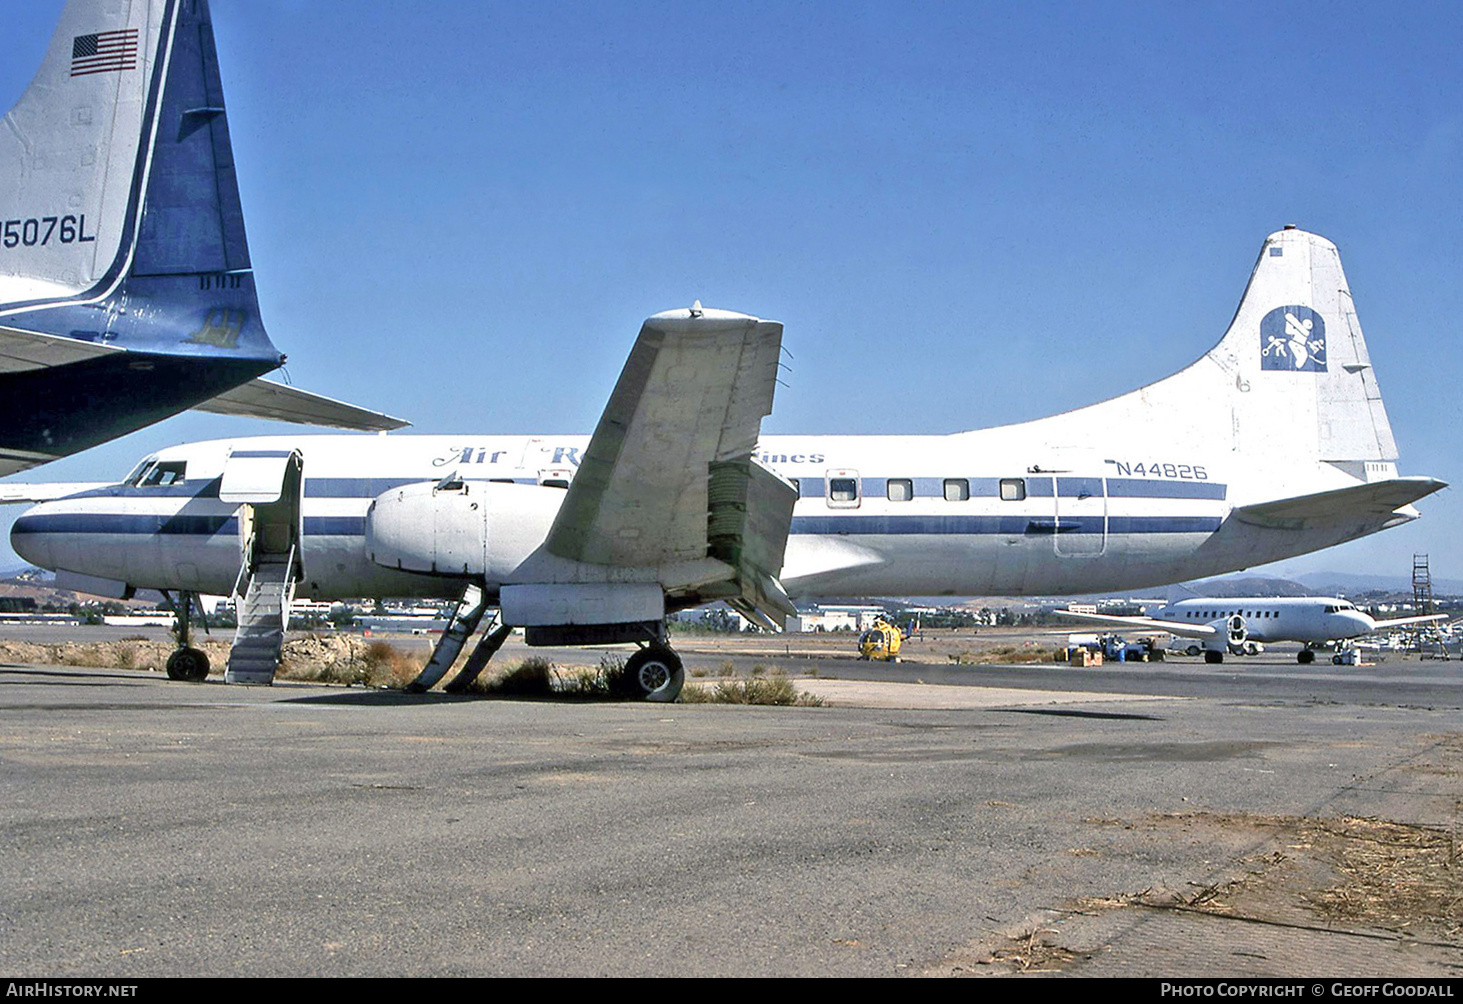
pixel 104 52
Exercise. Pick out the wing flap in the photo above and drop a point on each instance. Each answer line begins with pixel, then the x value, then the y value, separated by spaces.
pixel 1377 500
pixel 260 398
pixel 750 512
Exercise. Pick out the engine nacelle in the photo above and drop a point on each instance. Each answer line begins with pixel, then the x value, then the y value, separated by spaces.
pixel 459 528
pixel 1236 633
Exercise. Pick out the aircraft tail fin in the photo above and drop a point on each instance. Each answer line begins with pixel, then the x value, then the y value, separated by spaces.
pixel 117 189
pixel 1298 357
pixel 1288 387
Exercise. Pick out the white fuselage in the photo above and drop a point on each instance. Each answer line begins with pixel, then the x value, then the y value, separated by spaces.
pixel 979 513
pixel 1276 618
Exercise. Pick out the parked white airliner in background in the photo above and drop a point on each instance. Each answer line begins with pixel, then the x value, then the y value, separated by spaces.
pixel 1229 623
pixel 1274 443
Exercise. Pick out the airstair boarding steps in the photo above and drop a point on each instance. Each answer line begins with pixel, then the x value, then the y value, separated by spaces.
pixel 263 616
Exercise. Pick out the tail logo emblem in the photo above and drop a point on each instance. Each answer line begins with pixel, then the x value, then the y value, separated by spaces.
pixel 1294 339
pixel 220 329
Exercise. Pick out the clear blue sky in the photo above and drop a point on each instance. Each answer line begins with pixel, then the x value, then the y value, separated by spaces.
pixel 965 214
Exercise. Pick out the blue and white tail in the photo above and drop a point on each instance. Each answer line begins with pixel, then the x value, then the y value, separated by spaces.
pixel 117 190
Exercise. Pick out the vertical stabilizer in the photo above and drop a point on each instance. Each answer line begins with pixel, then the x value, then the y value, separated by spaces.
pixel 119 205
pixel 73 149
pixel 1296 344
pixel 1289 386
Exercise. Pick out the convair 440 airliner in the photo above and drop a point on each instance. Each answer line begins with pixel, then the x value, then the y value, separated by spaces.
pixel 1230 623
pixel 1273 444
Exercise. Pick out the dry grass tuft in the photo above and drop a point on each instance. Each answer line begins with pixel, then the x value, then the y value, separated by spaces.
pixel 773 688
pixel 346 660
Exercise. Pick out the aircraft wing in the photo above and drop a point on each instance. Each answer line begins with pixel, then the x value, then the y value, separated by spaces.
pixel 1180 628
pixel 19 492
pixel 30 350
pixel 1401 621
pixel 260 398
pixel 668 476
pixel 1377 500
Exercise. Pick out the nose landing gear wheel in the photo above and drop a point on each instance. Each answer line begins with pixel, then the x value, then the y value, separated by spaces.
pixel 653 674
pixel 188 664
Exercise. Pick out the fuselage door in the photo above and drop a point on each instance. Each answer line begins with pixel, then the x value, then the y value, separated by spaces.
pixel 1081 513
pixel 268 486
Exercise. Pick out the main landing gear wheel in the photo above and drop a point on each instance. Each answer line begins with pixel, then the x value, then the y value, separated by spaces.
pixel 654 674
pixel 188 664
pixel 1305 657
pixel 1210 656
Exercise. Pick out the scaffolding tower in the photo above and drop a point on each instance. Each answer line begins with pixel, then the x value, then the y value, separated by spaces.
pixel 1424 639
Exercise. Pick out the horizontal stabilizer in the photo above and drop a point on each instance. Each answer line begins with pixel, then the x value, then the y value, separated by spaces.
pixel 1145 623
pixel 22 351
pixel 261 398
pixel 20 492
pixel 1377 500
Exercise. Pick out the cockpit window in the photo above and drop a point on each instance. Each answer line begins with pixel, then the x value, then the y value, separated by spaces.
pixel 150 472
pixel 135 478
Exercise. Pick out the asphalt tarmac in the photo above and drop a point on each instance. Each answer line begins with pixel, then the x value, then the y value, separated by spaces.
pixel 1050 822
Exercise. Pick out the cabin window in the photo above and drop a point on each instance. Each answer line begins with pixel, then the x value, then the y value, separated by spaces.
pixel 956 489
pixel 842 489
pixel 900 490
pixel 1013 489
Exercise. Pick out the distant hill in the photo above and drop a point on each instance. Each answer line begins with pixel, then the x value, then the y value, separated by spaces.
pixel 1327 583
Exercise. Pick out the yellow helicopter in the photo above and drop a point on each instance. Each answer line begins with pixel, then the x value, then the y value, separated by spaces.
pixel 883 640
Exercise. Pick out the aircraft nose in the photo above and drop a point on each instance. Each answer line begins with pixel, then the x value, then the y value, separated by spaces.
pixel 30 537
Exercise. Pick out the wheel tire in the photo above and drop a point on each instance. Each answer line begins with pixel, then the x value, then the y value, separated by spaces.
pixel 189 665
pixel 1193 650
pixel 1305 657
pixel 1213 657
pixel 654 674
pixel 1335 660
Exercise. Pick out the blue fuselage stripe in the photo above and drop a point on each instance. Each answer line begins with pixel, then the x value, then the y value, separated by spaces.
pixel 1014 525
pixel 355 526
